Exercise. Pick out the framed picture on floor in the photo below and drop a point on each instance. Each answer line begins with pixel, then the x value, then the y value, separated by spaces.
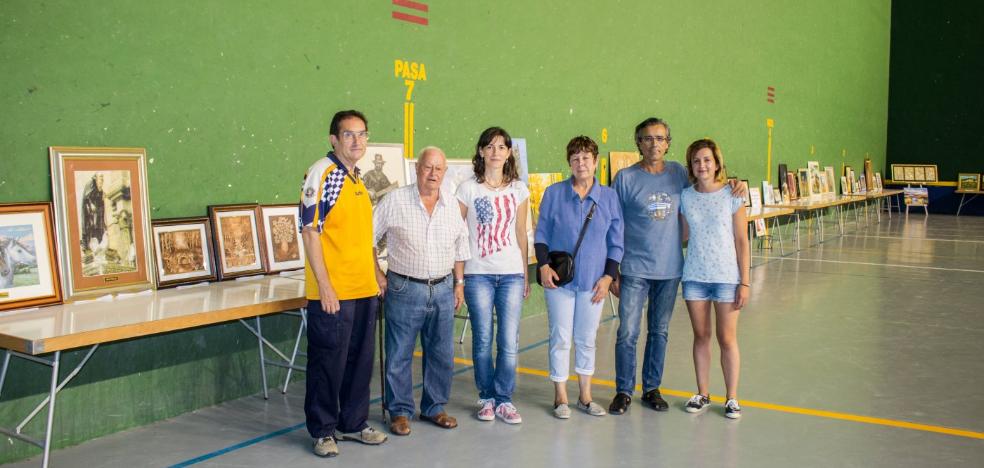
pixel 283 244
pixel 968 182
pixel 28 259
pixel 183 251
pixel 237 240
pixel 102 219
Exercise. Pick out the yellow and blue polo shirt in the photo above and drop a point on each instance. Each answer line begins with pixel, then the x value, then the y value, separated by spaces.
pixel 337 204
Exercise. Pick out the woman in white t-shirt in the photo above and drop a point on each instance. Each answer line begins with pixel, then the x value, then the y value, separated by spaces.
pixel 716 269
pixel 494 204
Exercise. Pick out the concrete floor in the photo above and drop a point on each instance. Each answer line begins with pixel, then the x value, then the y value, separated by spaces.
pixel 864 350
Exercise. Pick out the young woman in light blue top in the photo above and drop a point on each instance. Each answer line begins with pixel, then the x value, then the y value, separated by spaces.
pixel 716 269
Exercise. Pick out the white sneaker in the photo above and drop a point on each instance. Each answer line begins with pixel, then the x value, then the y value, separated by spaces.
pixel 592 408
pixel 325 447
pixel 487 410
pixel 368 436
pixel 508 413
pixel 562 411
pixel 697 403
pixel 732 409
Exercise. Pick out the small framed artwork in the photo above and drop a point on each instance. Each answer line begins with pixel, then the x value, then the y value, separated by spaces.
pixel 909 173
pixel 748 193
pixel 878 181
pixel 102 216
pixel 776 196
pixel 284 247
pixel 831 180
pixel 920 173
pixel 618 160
pixel 28 261
pixel 382 169
pixel 237 240
pixel 968 182
pixel 183 251
pixel 845 188
pixel 931 174
pixel 804 182
pixel 897 173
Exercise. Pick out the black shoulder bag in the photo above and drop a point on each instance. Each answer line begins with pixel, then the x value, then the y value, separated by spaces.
pixel 563 262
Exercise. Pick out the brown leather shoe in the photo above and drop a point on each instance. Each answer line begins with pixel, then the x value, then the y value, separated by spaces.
pixel 400 426
pixel 441 420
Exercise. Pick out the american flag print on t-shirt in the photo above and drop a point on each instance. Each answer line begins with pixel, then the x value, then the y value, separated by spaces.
pixel 495 214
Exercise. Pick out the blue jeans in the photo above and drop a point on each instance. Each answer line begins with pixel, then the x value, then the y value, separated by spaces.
pixel 504 293
pixel 634 292
pixel 411 309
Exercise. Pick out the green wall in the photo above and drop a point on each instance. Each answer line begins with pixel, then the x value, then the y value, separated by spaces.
pixel 232 101
pixel 935 99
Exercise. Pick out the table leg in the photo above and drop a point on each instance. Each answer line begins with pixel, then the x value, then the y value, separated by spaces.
pixel 297 344
pixel 3 369
pixel 960 206
pixel 259 345
pixel 51 409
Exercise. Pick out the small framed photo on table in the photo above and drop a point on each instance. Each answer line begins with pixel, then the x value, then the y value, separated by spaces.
pixel 102 219
pixel 183 251
pixel 237 240
pixel 284 247
pixel 28 259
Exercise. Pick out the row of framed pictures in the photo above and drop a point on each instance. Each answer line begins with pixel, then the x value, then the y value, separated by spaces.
pixel 914 173
pixel 96 236
pixel 968 182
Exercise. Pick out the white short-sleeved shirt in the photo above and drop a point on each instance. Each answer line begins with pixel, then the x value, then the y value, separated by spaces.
pixel 711 254
pixel 492 216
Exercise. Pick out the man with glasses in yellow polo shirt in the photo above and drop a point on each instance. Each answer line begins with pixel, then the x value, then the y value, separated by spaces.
pixel 341 288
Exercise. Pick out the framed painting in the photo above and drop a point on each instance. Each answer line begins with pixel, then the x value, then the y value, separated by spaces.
pixel 804 182
pixel 102 219
pixel 381 169
pixel 909 173
pixel 182 251
pixel 831 180
pixel 920 173
pixel 968 182
pixel 897 173
pixel 237 240
pixel 931 174
pixel 618 160
pixel 28 260
pixel 748 192
pixel 283 244
pixel 459 170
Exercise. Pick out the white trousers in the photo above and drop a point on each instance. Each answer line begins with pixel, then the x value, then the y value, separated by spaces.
pixel 572 315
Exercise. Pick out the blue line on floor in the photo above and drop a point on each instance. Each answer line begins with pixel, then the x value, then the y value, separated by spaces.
pixel 287 430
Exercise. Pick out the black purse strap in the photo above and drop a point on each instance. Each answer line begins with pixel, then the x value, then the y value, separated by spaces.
pixel 584 227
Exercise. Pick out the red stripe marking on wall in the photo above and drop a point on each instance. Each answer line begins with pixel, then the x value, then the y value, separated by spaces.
pixel 411 4
pixel 773 101
pixel 770 87
pixel 409 18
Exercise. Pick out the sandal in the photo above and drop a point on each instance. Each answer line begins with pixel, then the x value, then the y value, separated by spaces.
pixel 441 420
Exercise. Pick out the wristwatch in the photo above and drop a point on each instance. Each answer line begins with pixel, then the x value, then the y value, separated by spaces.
pixel 459 281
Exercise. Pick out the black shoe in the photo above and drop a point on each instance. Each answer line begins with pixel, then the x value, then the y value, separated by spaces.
pixel 620 404
pixel 655 400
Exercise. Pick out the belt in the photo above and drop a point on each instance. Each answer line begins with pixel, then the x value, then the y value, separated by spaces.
pixel 427 281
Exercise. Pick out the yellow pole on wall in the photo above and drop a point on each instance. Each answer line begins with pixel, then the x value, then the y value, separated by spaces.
pixel 768 165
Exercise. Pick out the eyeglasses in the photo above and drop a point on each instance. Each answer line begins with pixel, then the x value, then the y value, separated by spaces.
pixel 363 135
pixel 652 140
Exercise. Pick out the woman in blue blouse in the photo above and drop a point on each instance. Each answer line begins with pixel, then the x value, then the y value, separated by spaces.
pixel 574 309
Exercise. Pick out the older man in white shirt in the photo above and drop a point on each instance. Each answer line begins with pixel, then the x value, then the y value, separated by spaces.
pixel 428 245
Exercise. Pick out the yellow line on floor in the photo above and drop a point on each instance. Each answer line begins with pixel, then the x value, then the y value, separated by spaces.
pixel 774 407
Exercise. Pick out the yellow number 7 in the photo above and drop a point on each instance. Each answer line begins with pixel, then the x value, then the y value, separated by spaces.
pixel 409 84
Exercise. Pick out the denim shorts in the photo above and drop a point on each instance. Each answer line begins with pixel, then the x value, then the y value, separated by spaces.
pixel 717 292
